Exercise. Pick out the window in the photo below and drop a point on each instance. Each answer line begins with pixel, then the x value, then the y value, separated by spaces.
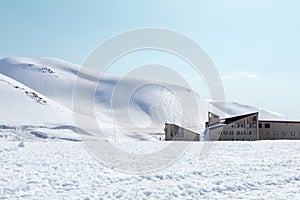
pixel 283 133
pixel 180 132
pixel 293 133
pixel 231 133
pixel 260 125
pixel 249 132
pixel 267 126
pixel 242 125
pixel 275 133
pixel 176 131
pixel 238 132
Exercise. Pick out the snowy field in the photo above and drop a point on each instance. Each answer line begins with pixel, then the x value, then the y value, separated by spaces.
pixel 53 168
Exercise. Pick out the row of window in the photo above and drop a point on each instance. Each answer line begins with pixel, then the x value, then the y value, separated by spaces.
pixel 241 139
pixel 266 125
pixel 293 133
pixel 284 133
pixel 235 133
pixel 278 138
pixel 243 125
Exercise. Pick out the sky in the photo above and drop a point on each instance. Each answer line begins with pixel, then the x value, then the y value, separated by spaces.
pixel 254 44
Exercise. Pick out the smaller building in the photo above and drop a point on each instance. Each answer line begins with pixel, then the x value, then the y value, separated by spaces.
pixel 174 132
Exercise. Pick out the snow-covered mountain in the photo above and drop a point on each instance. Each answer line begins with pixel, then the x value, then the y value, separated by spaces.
pixel 23 105
pixel 36 89
pixel 51 77
pixel 150 103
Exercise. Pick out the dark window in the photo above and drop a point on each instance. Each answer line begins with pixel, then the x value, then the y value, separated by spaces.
pixel 283 133
pixel 249 133
pixel 176 131
pixel 180 132
pixel 231 132
pixel 267 126
pixel 260 125
pixel 238 132
pixel 242 125
pixel 293 133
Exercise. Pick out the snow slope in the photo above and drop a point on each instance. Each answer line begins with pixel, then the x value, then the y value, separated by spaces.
pixel 149 105
pixel 22 105
pixel 51 77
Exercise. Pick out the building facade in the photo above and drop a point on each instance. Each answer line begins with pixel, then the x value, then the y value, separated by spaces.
pixel 177 133
pixel 241 128
pixel 279 130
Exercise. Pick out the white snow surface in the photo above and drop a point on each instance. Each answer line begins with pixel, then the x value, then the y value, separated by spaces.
pixel 59 169
pixel 42 154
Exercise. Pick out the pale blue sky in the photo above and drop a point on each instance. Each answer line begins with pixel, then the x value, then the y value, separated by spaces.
pixel 254 44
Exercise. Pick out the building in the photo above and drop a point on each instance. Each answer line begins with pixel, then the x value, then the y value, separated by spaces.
pixel 240 128
pixel 279 130
pixel 177 133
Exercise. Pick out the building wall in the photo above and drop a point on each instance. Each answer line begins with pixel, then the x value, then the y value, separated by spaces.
pixel 276 130
pixel 213 119
pixel 177 133
pixel 242 129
